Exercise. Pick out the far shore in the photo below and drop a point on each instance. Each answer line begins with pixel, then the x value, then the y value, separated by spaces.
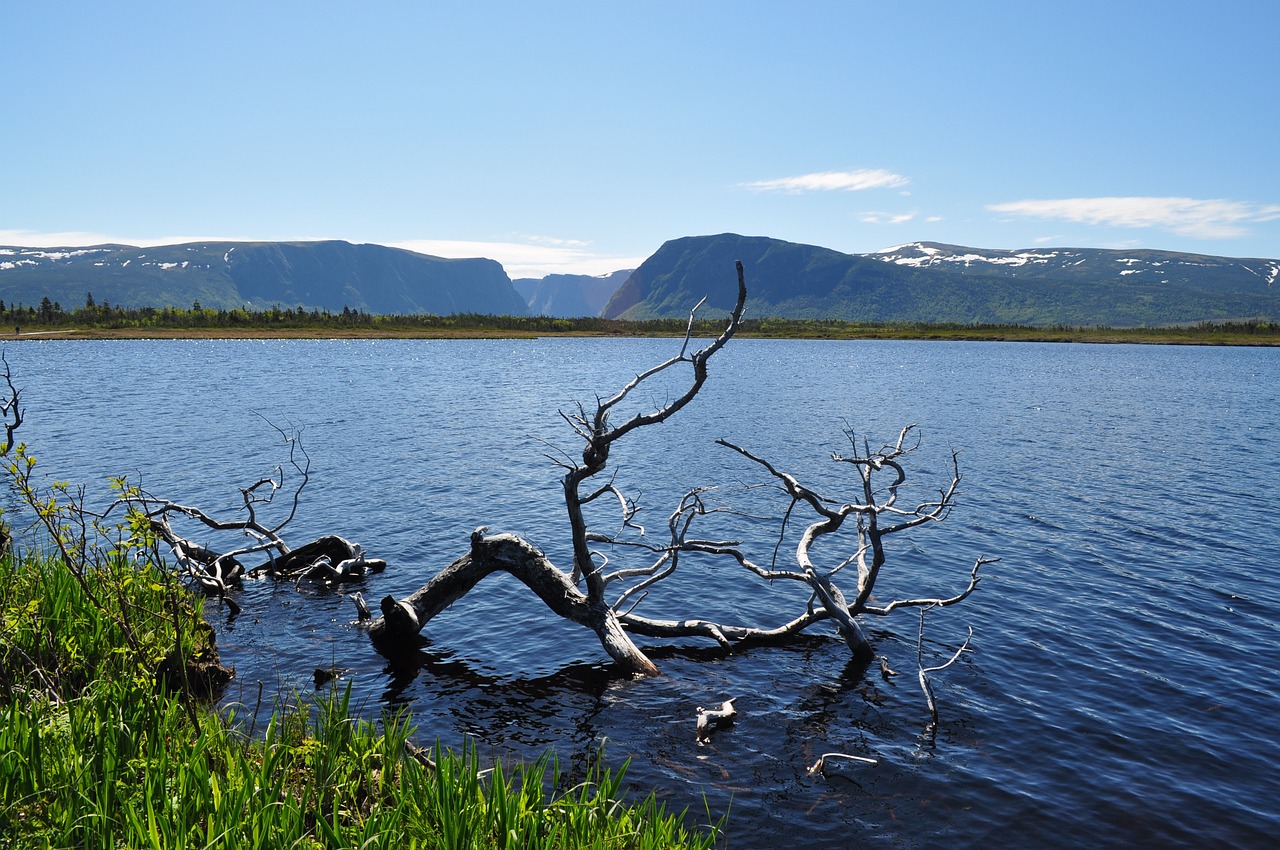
pixel 1148 336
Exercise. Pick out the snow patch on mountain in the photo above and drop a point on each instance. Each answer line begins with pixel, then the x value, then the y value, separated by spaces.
pixel 32 256
pixel 1074 262
pixel 920 254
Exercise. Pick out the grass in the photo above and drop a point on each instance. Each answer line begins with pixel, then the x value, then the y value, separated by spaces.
pixel 103 745
pixel 107 739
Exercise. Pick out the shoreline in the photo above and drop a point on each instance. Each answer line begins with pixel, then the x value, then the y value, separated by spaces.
pixel 1101 336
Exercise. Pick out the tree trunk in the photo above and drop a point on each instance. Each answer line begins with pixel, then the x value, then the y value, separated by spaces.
pixel 402 620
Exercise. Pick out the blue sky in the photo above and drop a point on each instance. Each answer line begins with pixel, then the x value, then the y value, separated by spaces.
pixel 578 137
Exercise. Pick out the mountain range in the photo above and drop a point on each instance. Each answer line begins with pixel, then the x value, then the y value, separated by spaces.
pixel 258 275
pixel 916 282
pixel 932 282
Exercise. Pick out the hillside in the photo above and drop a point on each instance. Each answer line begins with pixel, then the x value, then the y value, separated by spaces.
pixel 226 275
pixel 929 282
pixel 569 296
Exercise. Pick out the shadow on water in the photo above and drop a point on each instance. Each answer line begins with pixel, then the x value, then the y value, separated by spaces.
pixel 796 702
pixel 511 716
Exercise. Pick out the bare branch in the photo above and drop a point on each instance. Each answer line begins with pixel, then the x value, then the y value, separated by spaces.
pixel 711 719
pixel 699 362
pixel 797 491
pixel 974 578
pixel 10 408
pixel 925 685
pixel 304 470
pixel 877 508
pixel 820 766
pixel 627 508
pixel 600 436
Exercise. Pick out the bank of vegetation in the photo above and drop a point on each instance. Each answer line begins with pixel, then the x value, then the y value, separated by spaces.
pixel 98 320
pixel 108 737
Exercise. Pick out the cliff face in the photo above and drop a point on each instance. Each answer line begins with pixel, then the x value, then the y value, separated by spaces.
pixel 372 278
pixel 570 295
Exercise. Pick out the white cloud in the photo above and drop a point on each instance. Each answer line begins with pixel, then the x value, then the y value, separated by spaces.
pixel 527 259
pixel 1209 219
pixel 831 181
pixel 65 239
pixel 871 217
pixel 555 241
pixel 524 256
pixel 79 238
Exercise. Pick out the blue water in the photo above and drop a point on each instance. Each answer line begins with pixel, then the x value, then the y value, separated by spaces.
pixel 1122 691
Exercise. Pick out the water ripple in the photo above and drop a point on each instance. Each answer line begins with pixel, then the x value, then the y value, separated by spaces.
pixel 1122 684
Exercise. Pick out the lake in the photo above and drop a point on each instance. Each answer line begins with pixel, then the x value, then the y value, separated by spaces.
pixel 1122 690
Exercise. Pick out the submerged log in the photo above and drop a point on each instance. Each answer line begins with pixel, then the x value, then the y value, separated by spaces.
pixel 346 560
pixel 199 671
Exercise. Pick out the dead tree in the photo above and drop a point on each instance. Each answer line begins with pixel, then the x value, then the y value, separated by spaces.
pixel 328 560
pixel 605 601
pixel 402 620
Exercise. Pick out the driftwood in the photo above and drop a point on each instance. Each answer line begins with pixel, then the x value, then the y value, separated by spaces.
pixel 820 767
pixel 711 719
pixel 605 600
pixel 402 619
pixel 329 560
pixel 508 553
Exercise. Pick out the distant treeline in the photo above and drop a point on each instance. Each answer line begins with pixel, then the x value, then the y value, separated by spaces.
pixel 106 316
pixel 95 316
